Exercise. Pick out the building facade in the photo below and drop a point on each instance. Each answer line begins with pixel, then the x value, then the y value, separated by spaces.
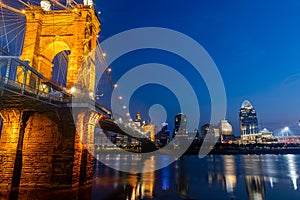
pixel 248 119
pixel 210 130
pixel 225 127
pixel 180 124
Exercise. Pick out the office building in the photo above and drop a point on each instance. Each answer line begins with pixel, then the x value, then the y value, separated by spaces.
pixel 248 119
pixel 180 125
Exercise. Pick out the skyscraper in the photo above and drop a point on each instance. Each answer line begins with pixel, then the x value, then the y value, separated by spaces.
pixel 163 136
pixel 248 119
pixel 180 124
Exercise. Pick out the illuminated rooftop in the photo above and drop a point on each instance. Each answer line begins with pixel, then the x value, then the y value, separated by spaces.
pixel 247 104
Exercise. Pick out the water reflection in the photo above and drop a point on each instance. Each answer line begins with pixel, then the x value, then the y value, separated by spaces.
pixel 292 169
pixel 255 187
pixel 254 177
pixel 182 178
pixel 223 170
pixel 229 172
pixel 120 185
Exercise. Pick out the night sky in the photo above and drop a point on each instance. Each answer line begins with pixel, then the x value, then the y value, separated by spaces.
pixel 255 45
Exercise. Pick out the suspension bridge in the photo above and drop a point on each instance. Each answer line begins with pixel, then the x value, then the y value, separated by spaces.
pixel 49 55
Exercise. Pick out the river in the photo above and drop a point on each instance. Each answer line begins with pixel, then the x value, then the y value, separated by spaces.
pixel 212 177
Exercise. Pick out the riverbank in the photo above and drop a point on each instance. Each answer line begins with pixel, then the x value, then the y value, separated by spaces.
pixel 231 149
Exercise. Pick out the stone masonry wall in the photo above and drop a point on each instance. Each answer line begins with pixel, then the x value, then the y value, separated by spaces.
pixel 8 146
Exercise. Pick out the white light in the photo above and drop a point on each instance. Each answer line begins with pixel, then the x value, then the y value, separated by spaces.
pixel 91 94
pixel 286 128
pixel 88 2
pixel 73 90
pixel 124 107
pixel 109 69
pixel 44 86
pixel 120 97
pixel 115 85
pixel 103 54
pixel 45 5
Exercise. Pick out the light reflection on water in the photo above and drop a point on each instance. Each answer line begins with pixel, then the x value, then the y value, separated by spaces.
pixel 213 177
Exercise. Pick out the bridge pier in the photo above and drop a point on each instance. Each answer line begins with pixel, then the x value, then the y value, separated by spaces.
pixel 8 146
pixel 45 150
pixel 86 123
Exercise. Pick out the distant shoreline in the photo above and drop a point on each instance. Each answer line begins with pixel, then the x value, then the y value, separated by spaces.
pixel 224 149
pixel 231 149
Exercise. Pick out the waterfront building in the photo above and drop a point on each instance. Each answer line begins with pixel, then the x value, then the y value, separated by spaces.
pixel 180 124
pixel 147 128
pixel 163 136
pixel 263 137
pixel 288 139
pixel 248 119
pixel 104 139
pixel 197 136
pixel 138 120
pixel 209 129
pixel 226 132
pixel 225 127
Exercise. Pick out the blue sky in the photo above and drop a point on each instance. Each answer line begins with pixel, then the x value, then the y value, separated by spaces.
pixel 255 44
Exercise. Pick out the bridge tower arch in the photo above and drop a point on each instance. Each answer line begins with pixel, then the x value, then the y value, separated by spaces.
pixel 50 32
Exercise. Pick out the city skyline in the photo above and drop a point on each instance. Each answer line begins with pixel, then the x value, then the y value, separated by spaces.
pixel 119 114
pixel 254 45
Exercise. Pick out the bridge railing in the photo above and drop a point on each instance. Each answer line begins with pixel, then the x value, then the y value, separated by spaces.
pixel 18 77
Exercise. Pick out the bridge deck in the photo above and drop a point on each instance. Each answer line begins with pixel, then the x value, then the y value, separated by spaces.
pixel 22 87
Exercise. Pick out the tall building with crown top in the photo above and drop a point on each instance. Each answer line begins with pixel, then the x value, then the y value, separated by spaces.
pixel 248 119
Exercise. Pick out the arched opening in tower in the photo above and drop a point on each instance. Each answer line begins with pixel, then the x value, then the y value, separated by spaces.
pixel 60 67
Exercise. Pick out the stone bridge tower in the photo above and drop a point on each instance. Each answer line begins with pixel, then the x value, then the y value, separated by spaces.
pixel 50 32
pixel 41 145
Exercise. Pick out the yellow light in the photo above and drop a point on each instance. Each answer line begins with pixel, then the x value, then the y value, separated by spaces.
pixel 115 85
pixel 109 69
pixel 103 54
pixel 127 114
pixel 73 90
pixel 75 9
pixel 23 11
